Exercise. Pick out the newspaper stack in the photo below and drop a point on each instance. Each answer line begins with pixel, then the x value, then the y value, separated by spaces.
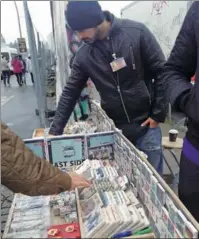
pixel 108 206
pixel 31 217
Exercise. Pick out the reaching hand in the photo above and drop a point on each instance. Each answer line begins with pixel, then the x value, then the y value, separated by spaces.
pixel 152 123
pixel 77 181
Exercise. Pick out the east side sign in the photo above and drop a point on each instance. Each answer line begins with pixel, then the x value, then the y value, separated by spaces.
pixel 69 163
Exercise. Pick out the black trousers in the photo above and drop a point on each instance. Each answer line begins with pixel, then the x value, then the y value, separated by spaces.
pixel 6 77
pixel 189 186
pixel 19 78
pixel 32 77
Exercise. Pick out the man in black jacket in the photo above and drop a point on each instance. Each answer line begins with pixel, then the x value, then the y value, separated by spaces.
pixel 182 64
pixel 122 58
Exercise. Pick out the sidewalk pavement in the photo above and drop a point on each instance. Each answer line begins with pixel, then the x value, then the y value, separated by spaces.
pixel 18 106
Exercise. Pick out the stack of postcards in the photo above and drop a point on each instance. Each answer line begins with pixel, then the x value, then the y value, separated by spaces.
pixel 108 206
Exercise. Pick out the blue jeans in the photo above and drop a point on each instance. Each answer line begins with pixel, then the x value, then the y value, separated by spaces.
pixel 151 145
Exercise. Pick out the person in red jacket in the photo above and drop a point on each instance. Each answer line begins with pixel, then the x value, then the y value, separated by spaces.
pixel 17 69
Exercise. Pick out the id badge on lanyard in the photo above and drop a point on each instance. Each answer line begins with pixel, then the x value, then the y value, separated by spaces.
pixel 118 63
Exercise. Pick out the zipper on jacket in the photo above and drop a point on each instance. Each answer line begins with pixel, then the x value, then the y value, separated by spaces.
pixel 121 97
pixel 147 92
pixel 118 88
pixel 123 104
pixel 134 68
pixel 132 58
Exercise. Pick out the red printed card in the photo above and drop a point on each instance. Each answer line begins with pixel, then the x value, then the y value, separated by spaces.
pixel 64 231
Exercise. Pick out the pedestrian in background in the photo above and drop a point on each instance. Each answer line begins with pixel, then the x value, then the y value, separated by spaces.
pixel 29 68
pixel 23 62
pixel 17 69
pixel 5 71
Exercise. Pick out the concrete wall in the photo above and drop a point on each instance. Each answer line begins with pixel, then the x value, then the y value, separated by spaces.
pixel 61 46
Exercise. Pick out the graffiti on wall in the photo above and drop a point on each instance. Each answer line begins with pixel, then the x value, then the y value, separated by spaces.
pixel 73 43
pixel 166 20
pixel 164 39
pixel 179 18
pixel 158 7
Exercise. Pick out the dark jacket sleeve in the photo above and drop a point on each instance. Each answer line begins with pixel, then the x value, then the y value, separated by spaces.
pixel 24 172
pixel 181 66
pixel 154 61
pixel 69 97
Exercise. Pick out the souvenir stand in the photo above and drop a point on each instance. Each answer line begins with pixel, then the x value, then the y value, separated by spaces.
pixel 127 198
pixel 97 121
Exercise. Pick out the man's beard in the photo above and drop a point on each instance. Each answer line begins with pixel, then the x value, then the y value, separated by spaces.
pixel 95 38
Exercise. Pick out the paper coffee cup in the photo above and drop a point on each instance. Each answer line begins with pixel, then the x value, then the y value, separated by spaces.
pixel 173 134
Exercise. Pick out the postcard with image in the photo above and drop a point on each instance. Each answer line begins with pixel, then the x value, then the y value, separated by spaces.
pixel 65 149
pixel 89 205
pixel 86 193
pixel 93 223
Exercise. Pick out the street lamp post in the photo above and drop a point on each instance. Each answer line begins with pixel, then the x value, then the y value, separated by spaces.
pixel 20 32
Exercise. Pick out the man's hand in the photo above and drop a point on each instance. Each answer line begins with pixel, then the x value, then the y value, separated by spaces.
pixel 152 123
pixel 77 181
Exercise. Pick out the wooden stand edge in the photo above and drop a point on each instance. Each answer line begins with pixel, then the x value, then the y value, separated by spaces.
pixel 79 214
pixel 10 215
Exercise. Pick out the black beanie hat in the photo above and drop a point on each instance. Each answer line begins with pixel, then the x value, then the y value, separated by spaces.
pixel 82 15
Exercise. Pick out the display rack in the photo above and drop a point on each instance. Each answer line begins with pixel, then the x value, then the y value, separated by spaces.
pixel 167 215
pixel 133 164
pixel 102 121
pixel 174 199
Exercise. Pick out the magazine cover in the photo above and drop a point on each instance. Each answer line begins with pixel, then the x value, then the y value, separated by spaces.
pixel 86 193
pixel 93 222
pixel 89 205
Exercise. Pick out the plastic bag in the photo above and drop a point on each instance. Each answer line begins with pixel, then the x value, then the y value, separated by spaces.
pixel 32 214
pixel 28 234
pixel 26 202
pixel 31 217
pixel 28 225
pixel 34 211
